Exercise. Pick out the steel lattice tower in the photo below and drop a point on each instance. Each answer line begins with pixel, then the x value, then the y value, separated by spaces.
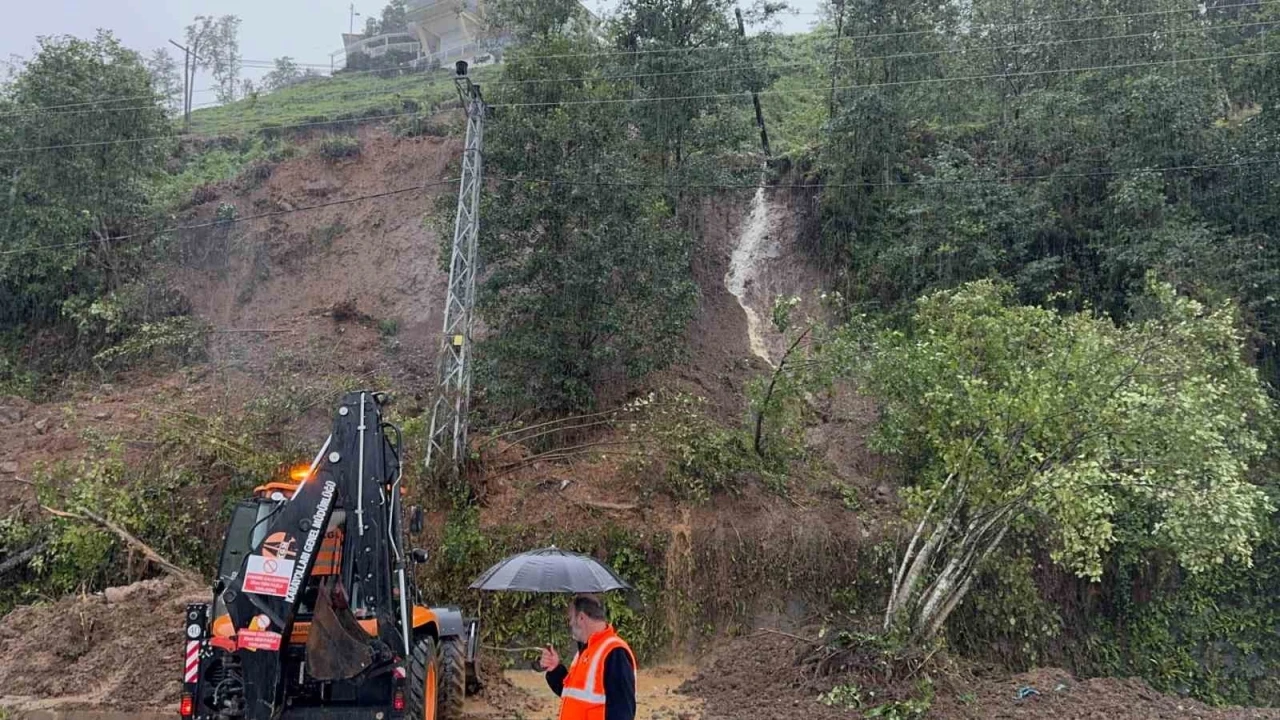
pixel 447 440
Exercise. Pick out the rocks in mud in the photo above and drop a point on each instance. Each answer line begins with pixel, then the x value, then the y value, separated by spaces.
pixel 321 188
pixel 9 467
pixel 13 410
pixel 116 595
pixel 102 414
pixel 41 425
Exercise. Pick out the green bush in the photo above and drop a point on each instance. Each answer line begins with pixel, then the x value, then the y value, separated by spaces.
pixel 1005 618
pixel 175 340
pixel 175 498
pixel 1212 635
pixel 694 455
pixel 421 126
pixel 340 147
pixel 848 697
pixel 322 238
pixel 526 619
pixel 197 172
pixel 144 320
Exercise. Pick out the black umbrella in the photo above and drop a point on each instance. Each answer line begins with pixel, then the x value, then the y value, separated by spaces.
pixel 550 570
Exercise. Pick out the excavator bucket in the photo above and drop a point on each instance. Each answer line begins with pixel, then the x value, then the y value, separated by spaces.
pixel 337 647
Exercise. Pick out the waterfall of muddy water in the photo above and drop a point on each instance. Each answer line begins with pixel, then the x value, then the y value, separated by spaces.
pixel 744 265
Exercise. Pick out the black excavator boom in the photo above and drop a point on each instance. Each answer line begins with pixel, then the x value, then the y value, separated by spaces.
pixel 355 476
pixel 315 612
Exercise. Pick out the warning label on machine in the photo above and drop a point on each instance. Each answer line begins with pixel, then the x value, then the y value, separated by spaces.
pixel 258 640
pixel 268 575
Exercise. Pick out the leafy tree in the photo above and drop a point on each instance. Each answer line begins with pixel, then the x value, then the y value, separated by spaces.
pixel 689 49
pixel 166 78
pixel 216 44
pixel 75 179
pixel 286 73
pixel 537 22
pixel 394 19
pixel 1141 436
pixel 586 283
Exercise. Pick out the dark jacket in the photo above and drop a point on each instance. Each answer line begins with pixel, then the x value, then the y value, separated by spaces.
pixel 619 684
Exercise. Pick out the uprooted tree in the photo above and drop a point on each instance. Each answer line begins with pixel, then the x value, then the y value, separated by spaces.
pixel 1141 435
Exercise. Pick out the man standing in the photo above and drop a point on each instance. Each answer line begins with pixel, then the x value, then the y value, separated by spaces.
pixel 600 683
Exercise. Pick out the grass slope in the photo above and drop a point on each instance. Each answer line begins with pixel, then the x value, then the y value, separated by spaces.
pixel 346 96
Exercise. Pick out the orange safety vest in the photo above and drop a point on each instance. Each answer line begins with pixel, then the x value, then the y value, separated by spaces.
pixel 582 697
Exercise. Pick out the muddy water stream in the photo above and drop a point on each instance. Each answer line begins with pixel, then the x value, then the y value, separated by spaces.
pixel 744 264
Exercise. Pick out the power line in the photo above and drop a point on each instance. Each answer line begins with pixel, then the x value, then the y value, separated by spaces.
pixel 865 58
pixel 989 26
pixel 152 138
pixel 791 91
pixel 229 221
pixel 674 186
pixel 158 105
pixel 79 104
pixel 918 182
pixel 1085 18
pixel 905 33
pixel 710 96
pixel 919 81
pixel 723 69
pixel 335 78
pixel 765 66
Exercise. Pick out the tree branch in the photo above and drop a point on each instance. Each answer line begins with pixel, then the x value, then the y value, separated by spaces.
pixel 129 539
pixel 768 395
pixel 23 557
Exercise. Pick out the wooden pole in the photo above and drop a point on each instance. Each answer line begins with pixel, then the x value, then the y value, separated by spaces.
pixel 755 94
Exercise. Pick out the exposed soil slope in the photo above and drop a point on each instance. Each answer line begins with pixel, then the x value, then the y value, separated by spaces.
pixel 758 678
pixel 120 649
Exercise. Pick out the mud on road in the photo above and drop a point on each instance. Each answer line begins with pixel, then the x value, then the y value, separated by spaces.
pixel 117 655
pixel 517 694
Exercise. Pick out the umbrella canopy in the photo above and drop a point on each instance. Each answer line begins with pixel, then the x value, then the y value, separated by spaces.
pixel 550 570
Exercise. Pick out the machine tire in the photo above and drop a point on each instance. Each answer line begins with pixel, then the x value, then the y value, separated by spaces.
pixel 453 678
pixel 424 681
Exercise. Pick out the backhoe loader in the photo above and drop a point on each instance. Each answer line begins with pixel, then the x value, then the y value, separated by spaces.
pixel 315 611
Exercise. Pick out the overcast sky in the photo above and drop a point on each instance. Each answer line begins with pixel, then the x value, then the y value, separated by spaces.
pixel 306 30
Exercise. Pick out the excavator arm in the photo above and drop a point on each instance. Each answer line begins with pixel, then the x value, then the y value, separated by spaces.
pixel 353 487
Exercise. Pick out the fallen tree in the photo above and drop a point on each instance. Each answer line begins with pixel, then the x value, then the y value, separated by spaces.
pixel 130 540
pixel 18 559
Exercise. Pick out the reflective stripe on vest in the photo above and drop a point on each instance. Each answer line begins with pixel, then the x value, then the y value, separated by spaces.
pixel 587 700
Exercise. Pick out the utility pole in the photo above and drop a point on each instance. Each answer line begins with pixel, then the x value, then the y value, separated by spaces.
pixel 189 68
pixel 755 90
pixel 447 439
pixel 187 77
pixel 835 63
pixel 351 23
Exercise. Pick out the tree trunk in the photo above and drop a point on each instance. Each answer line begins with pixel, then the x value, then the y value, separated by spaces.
pixel 914 566
pixel 922 604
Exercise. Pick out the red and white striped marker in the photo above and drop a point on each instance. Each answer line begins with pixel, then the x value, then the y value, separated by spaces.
pixel 193 661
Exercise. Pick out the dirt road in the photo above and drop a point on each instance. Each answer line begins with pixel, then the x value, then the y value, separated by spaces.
pixel 525 695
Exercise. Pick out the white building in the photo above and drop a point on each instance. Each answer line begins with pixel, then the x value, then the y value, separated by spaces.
pixel 439 31
pixel 448 29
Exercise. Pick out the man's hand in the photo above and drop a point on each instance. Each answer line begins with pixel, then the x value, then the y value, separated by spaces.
pixel 550 659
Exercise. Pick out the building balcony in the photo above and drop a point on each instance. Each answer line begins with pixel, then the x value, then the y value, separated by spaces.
pixel 428 10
